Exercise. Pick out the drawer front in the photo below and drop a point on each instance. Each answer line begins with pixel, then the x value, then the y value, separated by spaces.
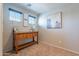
pixel 30 35
pixel 19 37
pixel 23 36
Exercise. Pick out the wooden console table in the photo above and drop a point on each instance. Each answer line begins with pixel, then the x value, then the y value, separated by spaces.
pixel 22 36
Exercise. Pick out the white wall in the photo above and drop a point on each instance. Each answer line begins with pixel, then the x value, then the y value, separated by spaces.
pixel 68 35
pixel 1 27
pixel 8 26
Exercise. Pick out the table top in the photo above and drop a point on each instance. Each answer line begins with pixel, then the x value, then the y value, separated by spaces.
pixel 25 32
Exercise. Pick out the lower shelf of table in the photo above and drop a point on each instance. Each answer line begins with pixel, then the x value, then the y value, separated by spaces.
pixel 19 47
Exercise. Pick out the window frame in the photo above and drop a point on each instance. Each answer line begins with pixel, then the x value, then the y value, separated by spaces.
pixel 31 17
pixel 15 11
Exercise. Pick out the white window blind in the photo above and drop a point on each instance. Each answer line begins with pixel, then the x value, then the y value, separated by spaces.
pixel 15 15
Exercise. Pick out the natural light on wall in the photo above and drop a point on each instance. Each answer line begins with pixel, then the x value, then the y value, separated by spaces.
pixel 42 22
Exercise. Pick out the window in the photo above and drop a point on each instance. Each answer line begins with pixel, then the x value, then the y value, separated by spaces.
pixel 32 21
pixel 15 15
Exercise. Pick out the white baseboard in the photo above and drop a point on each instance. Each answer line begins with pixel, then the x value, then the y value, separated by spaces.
pixel 61 47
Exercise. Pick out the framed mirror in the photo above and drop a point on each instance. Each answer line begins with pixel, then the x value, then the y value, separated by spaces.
pixel 54 21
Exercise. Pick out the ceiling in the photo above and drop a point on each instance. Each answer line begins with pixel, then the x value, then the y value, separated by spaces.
pixel 43 7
